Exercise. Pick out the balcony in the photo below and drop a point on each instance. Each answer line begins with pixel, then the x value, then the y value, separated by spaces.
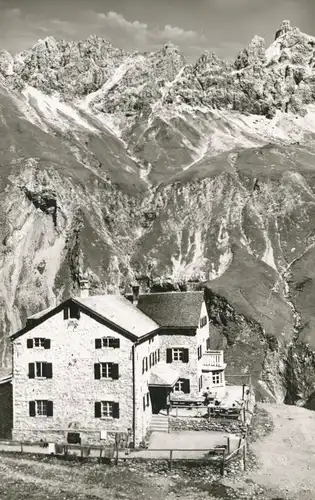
pixel 213 360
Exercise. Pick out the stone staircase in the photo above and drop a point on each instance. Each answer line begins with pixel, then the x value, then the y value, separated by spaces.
pixel 159 423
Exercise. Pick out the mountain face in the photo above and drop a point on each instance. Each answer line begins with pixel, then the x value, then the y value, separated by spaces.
pixel 121 164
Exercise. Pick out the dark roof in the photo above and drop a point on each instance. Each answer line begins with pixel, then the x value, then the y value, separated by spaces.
pixel 173 309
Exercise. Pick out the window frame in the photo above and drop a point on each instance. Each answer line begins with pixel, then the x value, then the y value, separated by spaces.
pixel 178 352
pixel 106 367
pixel 109 405
pixel 216 378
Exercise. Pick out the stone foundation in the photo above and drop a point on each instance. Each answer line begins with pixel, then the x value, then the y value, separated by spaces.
pixel 88 438
pixel 236 427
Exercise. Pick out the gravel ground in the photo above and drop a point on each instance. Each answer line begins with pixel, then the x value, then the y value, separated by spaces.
pixel 280 466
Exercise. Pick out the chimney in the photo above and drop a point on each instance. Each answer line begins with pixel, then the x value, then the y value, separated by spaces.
pixel 84 287
pixel 135 294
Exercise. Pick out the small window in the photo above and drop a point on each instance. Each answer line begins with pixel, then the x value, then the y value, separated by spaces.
pixel 203 321
pixel 73 312
pixel 107 342
pixel 199 351
pixel 41 408
pixel 106 370
pixel 208 344
pixel 177 354
pixel 39 342
pixel 182 385
pixel 216 378
pixel 40 369
pixel 200 382
pixel 106 409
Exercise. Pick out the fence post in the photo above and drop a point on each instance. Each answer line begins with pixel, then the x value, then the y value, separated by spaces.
pixel 171 460
pixel 228 445
pixel 244 455
pixel 222 464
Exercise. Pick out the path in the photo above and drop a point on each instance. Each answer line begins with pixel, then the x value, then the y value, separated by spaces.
pixel 287 455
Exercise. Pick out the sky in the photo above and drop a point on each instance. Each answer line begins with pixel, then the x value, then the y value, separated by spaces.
pixel 221 26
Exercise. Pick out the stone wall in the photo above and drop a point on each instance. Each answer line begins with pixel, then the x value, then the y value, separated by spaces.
pixel 73 388
pixel 203 424
pixel 193 369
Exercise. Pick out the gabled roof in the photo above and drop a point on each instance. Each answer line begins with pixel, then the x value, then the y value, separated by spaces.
pixel 120 311
pixel 114 311
pixel 172 309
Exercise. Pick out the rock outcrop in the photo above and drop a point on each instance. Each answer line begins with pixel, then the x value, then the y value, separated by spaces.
pixel 121 164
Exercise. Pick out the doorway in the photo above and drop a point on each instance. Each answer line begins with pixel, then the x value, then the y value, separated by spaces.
pixel 159 396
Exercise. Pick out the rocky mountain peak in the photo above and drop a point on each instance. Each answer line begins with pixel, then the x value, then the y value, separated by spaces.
pixel 254 52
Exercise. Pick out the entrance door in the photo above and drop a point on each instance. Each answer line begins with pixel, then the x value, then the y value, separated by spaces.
pixel 158 398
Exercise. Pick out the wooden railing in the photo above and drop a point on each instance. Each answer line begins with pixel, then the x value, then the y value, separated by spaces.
pixel 213 359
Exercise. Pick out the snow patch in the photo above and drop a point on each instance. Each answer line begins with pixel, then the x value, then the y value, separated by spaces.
pixel 51 110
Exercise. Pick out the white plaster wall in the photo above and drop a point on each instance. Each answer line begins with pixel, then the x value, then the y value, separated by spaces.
pixel 143 418
pixel 73 388
pixel 202 335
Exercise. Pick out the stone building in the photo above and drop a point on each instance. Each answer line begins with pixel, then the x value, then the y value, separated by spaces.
pixel 95 366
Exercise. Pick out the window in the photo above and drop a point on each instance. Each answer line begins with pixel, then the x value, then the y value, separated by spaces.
pixel 40 369
pixel 144 364
pixel 106 409
pixel 177 354
pixel 38 342
pixel 107 342
pixel 182 385
pixel 41 408
pixel 148 399
pixel 216 377
pixel 200 382
pixel 203 321
pixel 158 355
pixel 155 357
pixel 208 344
pixel 73 312
pixel 199 350
pixel 151 340
pixel 152 359
pixel 144 402
pixel 106 370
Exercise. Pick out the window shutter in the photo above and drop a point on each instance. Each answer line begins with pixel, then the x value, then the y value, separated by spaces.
pixel 200 351
pixel 186 386
pixel 32 408
pixel 148 399
pixel 48 370
pixel 66 313
pixel 97 410
pixel 47 343
pixel 115 343
pixel 155 357
pixel 98 343
pixel 149 360
pixel 50 409
pixel 29 343
pixel 146 364
pixel 169 357
pixel 115 410
pixel 31 370
pixel 143 402
pixel 185 355
pixel 143 365
pixel 158 354
pixel 74 311
pixel 97 371
pixel 115 371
